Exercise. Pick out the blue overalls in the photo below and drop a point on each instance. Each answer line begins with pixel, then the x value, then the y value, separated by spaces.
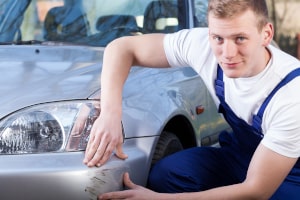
pixel 202 168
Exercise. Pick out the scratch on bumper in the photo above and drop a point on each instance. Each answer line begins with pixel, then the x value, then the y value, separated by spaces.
pixel 105 180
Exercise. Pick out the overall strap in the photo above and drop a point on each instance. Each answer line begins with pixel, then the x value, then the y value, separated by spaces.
pixel 219 84
pixel 257 119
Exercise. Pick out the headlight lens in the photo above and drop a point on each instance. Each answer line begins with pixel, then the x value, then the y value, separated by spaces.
pixel 54 127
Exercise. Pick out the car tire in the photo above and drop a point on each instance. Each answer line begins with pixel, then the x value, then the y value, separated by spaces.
pixel 167 144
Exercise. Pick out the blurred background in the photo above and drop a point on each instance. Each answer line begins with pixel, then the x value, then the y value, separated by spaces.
pixel 285 15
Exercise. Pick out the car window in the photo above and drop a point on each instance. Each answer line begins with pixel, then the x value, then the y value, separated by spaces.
pixel 90 22
pixel 11 17
pixel 200 13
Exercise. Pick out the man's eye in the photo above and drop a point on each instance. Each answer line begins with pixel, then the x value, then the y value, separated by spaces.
pixel 218 39
pixel 240 39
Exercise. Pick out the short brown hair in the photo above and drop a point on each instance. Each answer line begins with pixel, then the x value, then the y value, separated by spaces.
pixel 230 8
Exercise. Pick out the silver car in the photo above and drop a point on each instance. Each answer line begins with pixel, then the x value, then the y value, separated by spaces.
pixel 50 64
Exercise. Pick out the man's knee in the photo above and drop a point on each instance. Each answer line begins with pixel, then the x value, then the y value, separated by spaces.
pixel 171 176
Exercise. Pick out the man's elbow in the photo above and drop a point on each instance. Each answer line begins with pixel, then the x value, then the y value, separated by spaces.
pixel 258 191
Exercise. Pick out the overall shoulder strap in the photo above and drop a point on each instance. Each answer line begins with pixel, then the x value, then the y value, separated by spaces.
pixel 219 84
pixel 257 119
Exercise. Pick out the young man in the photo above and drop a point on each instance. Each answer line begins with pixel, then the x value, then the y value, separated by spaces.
pixel 256 87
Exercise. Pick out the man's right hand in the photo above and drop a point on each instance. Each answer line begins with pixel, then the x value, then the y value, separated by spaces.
pixel 105 138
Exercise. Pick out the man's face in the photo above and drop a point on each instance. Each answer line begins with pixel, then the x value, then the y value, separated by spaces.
pixel 238 45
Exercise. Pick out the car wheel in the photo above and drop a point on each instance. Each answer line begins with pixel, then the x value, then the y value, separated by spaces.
pixel 168 143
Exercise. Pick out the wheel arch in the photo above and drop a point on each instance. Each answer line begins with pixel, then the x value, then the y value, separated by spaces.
pixel 183 129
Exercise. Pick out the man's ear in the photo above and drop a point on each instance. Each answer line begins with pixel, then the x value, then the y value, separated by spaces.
pixel 268 33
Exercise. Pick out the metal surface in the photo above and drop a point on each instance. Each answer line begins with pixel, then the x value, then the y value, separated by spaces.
pixel 154 100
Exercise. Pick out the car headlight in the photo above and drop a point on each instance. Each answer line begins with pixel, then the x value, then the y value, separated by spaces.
pixel 52 127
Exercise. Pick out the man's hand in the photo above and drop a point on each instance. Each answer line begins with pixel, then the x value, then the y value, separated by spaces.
pixel 135 192
pixel 106 136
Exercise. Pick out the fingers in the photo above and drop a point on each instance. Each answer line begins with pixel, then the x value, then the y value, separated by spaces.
pixel 102 143
pixel 119 152
pixel 96 146
pixel 114 195
pixel 127 182
pixel 91 148
pixel 120 194
pixel 99 154
pixel 134 192
pixel 99 151
pixel 91 142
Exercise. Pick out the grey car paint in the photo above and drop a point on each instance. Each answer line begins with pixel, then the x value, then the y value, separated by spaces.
pixel 66 73
pixel 154 100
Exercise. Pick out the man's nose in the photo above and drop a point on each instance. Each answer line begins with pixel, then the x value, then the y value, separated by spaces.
pixel 229 49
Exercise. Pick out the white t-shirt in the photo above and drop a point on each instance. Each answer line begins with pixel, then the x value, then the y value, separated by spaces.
pixel 281 119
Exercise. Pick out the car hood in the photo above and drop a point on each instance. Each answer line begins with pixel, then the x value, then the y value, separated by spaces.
pixel 38 74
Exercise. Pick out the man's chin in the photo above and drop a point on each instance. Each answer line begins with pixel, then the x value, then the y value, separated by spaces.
pixel 232 73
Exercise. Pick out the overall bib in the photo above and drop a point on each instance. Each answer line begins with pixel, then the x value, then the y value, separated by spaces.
pixel 202 168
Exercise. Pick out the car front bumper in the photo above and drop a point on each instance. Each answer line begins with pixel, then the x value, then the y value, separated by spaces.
pixel 64 176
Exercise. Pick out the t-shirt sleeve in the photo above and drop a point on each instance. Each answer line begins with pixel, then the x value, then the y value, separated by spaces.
pixel 189 47
pixel 283 122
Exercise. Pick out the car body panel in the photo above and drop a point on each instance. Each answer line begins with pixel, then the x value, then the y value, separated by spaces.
pixel 64 176
pixel 45 73
pixel 59 72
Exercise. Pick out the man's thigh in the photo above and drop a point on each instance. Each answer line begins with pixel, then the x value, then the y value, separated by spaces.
pixel 196 169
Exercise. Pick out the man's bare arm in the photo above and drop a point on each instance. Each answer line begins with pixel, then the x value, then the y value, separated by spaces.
pixel 266 172
pixel 106 134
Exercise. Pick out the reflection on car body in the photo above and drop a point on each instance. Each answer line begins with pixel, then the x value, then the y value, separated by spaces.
pixel 51 89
